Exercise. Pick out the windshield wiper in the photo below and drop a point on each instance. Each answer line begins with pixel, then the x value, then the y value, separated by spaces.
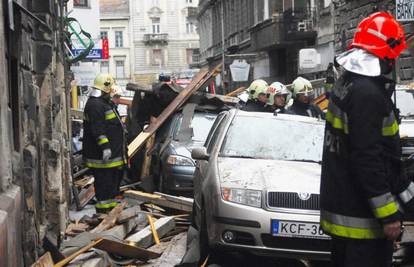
pixel 305 160
pixel 237 156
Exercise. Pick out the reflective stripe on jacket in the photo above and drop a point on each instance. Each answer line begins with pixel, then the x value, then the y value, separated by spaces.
pixel 362 185
pixel 103 129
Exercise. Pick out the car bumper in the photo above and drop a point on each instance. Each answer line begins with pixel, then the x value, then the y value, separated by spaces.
pixel 252 228
pixel 179 178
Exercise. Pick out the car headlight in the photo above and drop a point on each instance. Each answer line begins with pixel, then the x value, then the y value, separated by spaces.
pixel 179 160
pixel 242 196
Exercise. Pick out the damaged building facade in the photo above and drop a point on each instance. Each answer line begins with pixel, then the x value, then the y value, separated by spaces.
pixel 268 35
pixel 35 137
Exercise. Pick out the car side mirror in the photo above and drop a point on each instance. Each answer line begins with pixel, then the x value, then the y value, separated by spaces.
pixel 200 153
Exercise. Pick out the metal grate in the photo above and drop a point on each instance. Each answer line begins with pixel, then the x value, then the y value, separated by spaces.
pixel 292 201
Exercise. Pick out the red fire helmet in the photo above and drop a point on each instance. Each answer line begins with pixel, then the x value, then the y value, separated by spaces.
pixel 381 35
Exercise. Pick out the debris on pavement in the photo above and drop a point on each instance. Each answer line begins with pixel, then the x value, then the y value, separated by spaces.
pixel 143 230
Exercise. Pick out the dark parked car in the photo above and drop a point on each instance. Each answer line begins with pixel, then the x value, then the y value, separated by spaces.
pixel 175 167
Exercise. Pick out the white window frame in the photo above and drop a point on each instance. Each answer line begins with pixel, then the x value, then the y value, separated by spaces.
pixel 119 42
pixel 106 62
pixel 156 26
pixel 119 75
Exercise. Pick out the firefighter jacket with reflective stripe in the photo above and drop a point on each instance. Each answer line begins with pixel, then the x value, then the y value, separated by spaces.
pixel 362 185
pixel 103 129
pixel 302 109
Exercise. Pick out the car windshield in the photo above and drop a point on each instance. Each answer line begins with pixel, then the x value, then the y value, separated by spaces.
pixel 405 103
pixel 277 139
pixel 201 124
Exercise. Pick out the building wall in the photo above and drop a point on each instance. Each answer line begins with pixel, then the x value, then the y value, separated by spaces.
pixel 173 19
pixel 347 16
pixel 111 25
pixel 35 132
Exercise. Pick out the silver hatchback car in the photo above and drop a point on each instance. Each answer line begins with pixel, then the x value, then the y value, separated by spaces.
pixel 256 186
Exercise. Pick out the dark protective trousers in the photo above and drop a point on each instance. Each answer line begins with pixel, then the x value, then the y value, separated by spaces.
pixel 361 253
pixel 107 183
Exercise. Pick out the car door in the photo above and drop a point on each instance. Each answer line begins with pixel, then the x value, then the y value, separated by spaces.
pixel 202 165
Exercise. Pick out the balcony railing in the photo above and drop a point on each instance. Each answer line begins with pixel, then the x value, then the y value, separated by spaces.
pixel 156 38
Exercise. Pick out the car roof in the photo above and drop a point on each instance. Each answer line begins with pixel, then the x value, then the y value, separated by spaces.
pixel 269 115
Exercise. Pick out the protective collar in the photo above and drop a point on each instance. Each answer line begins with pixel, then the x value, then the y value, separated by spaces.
pixel 360 62
pixel 95 92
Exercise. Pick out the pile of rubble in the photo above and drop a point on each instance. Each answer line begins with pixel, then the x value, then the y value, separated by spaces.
pixel 144 230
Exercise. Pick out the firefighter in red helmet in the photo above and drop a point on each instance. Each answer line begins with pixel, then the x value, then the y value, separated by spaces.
pixel 363 191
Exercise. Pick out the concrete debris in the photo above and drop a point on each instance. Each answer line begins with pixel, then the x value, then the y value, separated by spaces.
pixel 124 236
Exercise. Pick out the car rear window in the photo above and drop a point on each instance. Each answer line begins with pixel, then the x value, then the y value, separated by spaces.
pixel 201 124
pixel 271 138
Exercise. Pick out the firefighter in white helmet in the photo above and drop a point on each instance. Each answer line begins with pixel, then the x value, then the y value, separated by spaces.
pixel 279 96
pixel 104 148
pixel 303 95
pixel 258 96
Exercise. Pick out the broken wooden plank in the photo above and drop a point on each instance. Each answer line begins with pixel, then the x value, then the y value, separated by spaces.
pixel 110 220
pixel 236 92
pixel 146 164
pixel 153 230
pixel 44 261
pixel 199 80
pixel 76 228
pixel 181 200
pixel 77 253
pixel 125 249
pixel 85 195
pixel 178 203
pixel 145 239
pixel 128 214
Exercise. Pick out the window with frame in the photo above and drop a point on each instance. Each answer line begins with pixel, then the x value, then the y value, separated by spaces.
pixel 157 59
pixel 120 68
pixel 104 35
pixel 104 66
pixel 156 28
pixel 81 3
pixel 189 55
pixel 119 39
pixel 190 26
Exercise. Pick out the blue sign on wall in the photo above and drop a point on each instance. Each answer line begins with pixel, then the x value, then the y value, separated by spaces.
pixel 93 54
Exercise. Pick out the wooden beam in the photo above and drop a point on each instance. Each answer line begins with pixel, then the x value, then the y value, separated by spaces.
pixel 85 195
pixel 44 261
pixel 109 220
pixel 236 92
pixel 178 203
pixel 199 80
pixel 126 249
pixel 146 164
pixel 145 239
pixel 77 253
pixel 153 230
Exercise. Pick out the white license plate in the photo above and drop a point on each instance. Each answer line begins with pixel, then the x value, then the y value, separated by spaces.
pixel 297 229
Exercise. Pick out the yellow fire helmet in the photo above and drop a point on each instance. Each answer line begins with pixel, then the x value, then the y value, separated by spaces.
pixel 104 82
pixel 257 87
pixel 302 86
